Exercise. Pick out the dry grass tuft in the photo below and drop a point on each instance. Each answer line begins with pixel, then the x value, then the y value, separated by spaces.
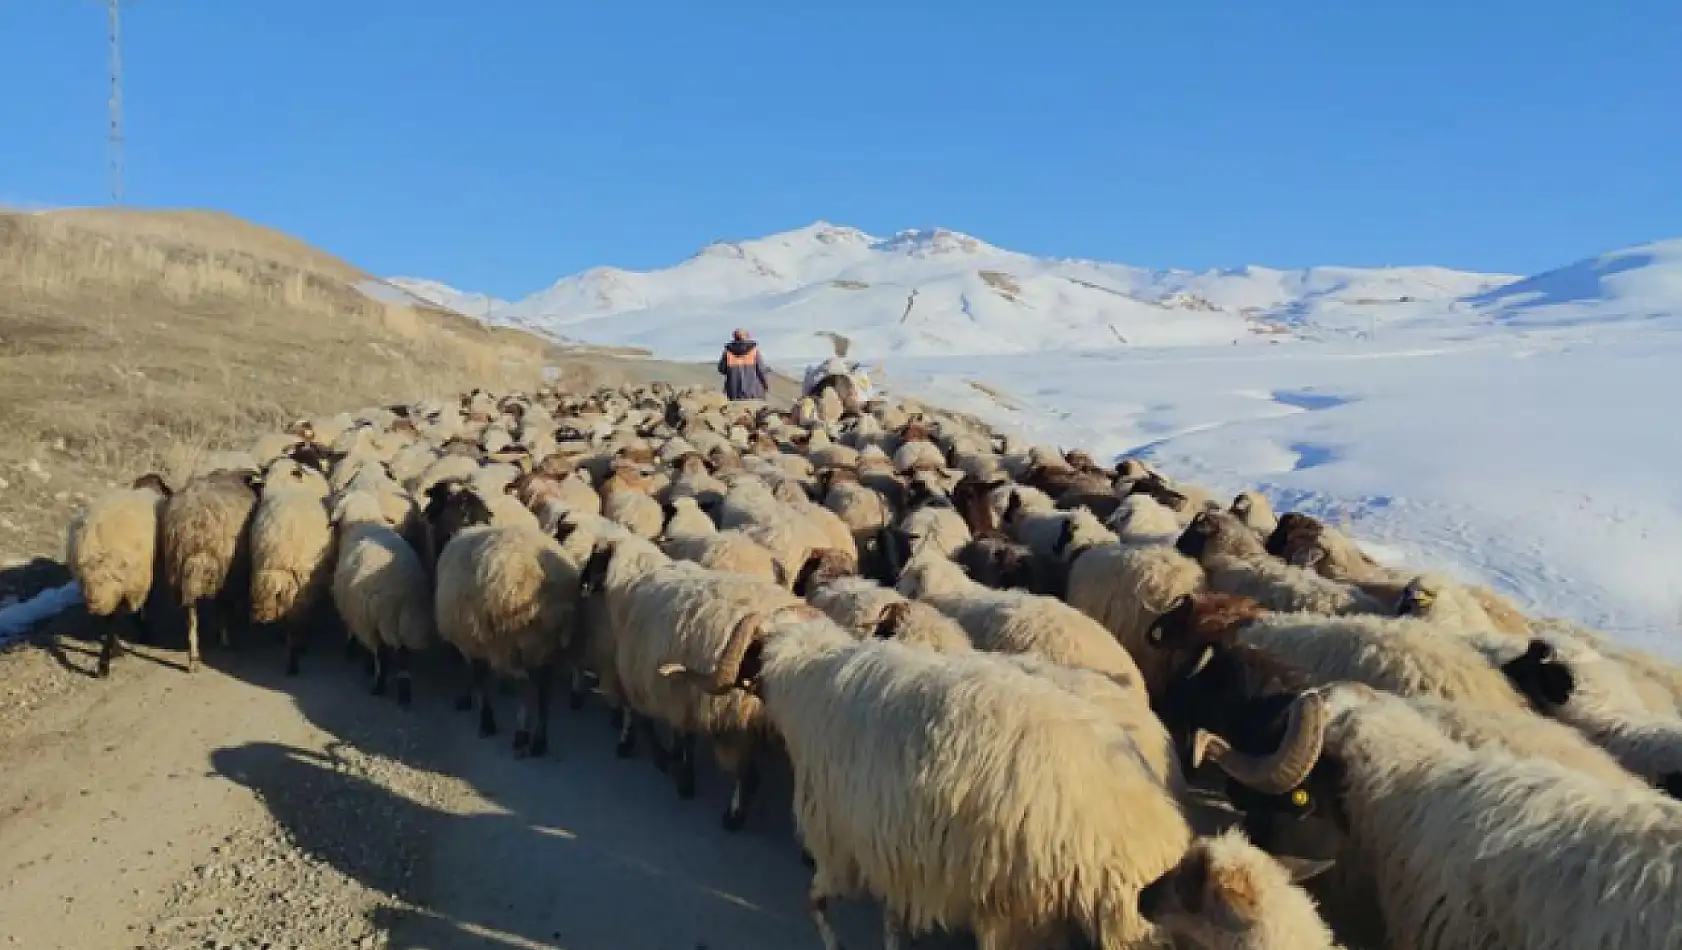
pixel 134 341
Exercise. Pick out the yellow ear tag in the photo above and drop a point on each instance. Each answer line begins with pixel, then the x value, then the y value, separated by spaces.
pixel 1299 797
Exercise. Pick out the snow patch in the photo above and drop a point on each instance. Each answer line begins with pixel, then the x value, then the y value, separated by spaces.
pixel 16 619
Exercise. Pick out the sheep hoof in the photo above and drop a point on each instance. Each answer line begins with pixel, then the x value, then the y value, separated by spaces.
pixel 575 699
pixel 522 742
pixel 539 746
pixel 404 696
pixel 624 748
pixel 292 663
pixel 686 786
pixel 734 819
pixel 377 688
pixel 104 670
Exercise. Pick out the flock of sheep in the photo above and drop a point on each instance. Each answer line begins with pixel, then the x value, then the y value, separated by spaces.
pixel 1022 695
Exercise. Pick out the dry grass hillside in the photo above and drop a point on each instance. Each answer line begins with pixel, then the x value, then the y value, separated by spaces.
pixel 132 341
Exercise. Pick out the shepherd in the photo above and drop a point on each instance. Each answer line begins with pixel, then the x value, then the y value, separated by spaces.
pixel 743 370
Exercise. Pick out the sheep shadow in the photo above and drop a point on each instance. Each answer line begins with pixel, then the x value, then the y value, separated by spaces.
pixel 578 848
pixel 579 855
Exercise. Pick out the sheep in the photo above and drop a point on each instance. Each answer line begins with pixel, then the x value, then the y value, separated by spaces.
pixel 792 538
pixel 291 552
pixel 1463 848
pixel 271 446
pixel 639 513
pixel 1606 707
pixel 730 551
pixel 1252 508
pixel 1018 622
pixel 1236 562
pixel 659 610
pixel 507 599
pixel 865 608
pixel 1447 603
pixel 381 589
pixel 999 783
pixel 1657 681
pixel 206 547
pixel 1225 895
pixel 686 519
pixel 1126 588
pixel 1056 534
pixel 694 480
pixel 112 553
pixel 1141 519
pixel 1403 656
pixel 918 456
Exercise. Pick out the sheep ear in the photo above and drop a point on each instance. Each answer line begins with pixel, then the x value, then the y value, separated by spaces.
pixel 1304 869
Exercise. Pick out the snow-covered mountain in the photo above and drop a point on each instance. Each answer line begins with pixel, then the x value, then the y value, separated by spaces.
pixel 936 292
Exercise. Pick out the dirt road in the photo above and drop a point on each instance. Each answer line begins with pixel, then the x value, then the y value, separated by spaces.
pixel 236 808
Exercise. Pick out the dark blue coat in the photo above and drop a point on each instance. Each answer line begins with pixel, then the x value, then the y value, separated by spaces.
pixel 744 372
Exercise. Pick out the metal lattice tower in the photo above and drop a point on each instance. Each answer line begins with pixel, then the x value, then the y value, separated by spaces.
pixel 116 104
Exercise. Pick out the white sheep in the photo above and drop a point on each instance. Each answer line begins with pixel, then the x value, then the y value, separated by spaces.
pixel 381 590
pixel 1126 588
pixel 113 552
pixel 507 600
pixel 1014 621
pixel 1226 895
pixel 865 608
pixel 1141 519
pixel 291 552
pixel 659 611
pixel 1463 848
pixel 926 780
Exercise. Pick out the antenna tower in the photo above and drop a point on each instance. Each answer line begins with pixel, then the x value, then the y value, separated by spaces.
pixel 114 8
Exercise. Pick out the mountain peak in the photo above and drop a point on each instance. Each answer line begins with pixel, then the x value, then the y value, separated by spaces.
pixel 932 242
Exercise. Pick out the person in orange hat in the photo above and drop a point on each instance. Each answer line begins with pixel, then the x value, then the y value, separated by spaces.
pixel 744 372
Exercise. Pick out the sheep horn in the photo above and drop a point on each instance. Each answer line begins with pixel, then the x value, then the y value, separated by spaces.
pixel 724 675
pixel 1283 770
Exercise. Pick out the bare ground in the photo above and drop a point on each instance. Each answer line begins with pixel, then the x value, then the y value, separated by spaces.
pixel 235 808
pixel 239 808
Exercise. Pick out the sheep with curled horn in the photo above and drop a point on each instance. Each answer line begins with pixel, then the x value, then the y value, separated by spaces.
pixel 1475 848
pixel 659 611
pixel 1000 783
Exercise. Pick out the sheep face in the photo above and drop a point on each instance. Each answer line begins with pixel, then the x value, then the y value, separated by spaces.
pixel 1215 532
pixel 1291 522
pixel 1221 894
pixel 1541 676
pixel 821 567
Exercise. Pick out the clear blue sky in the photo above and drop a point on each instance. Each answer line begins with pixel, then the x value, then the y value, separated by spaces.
pixel 502 144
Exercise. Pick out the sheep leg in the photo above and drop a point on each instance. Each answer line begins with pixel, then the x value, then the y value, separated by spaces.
pixel 294 646
pixel 112 647
pixel 400 666
pixel 464 699
pixel 193 637
pixel 142 625
pixel 657 751
pixel 747 785
pixel 817 905
pixel 482 687
pixel 627 734
pixel 575 693
pixel 351 645
pixel 893 931
pixel 382 667
pixel 683 766
pixel 537 705
pixel 224 625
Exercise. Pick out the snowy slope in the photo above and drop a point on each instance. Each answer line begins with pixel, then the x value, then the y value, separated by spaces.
pixel 939 291
pixel 1518 433
pixel 1534 449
